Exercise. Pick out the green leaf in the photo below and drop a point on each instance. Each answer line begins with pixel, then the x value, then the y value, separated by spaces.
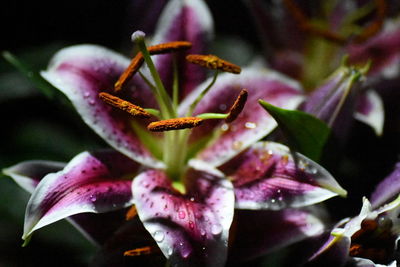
pixel 38 81
pixel 305 133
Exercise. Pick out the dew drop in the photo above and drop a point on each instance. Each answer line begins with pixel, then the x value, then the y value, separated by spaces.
pixel 92 102
pixel 159 236
pixel 86 94
pixel 237 145
pixel 216 229
pixel 191 225
pixel 222 107
pixel 93 198
pixel 181 215
pixel 170 251
pixel 224 127
pixel 192 199
pixel 250 125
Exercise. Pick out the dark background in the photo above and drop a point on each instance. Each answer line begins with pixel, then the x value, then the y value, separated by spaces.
pixel 36 127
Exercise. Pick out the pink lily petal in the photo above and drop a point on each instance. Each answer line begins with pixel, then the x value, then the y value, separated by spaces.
pixel 253 123
pixel 91 182
pixel 255 233
pixel 383 49
pixel 190 229
pixel 28 174
pixel 81 72
pixel 269 176
pixel 184 20
pixel 388 189
pixel 370 111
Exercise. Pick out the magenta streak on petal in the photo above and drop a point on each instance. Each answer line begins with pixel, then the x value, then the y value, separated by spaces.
pixel 81 72
pixel 89 183
pixel 266 177
pixel 189 229
pixel 253 123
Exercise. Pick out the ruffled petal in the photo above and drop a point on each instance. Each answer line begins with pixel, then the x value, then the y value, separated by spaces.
pixel 253 122
pixel 91 182
pixel 388 189
pixel 28 174
pixel 81 72
pixel 269 176
pixel 190 229
pixel 184 20
pixel 370 111
pixel 255 233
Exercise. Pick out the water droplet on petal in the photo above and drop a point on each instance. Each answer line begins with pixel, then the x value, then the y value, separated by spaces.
pixel 170 251
pixel 93 198
pixel 224 127
pixel 250 125
pixel 181 215
pixel 191 225
pixel 86 94
pixel 216 229
pixel 237 145
pixel 222 107
pixel 158 236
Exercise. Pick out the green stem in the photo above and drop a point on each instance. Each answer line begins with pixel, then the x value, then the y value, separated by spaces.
pixel 207 116
pixel 163 99
pixel 202 94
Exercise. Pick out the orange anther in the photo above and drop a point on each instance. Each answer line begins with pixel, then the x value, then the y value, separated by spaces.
pixel 140 251
pixel 174 124
pixel 124 105
pixel 169 47
pixel 237 106
pixel 132 212
pixel 214 62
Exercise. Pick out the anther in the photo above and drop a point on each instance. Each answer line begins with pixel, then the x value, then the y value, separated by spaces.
pixel 237 106
pixel 169 47
pixel 140 251
pixel 138 60
pixel 132 212
pixel 133 67
pixel 124 105
pixel 214 62
pixel 174 124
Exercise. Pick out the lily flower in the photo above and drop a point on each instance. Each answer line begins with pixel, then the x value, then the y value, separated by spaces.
pixel 320 36
pixel 186 148
pixel 370 238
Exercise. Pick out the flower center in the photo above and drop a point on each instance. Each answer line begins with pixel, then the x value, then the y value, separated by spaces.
pixel 375 240
pixel 175 129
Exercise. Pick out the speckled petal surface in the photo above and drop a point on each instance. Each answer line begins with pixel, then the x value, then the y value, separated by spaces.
pixel 253 123
pixel 190 229
pixel 91 182
pixel 81 72
pixel 269 176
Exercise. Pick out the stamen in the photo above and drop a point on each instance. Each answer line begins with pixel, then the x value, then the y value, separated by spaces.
pixel 169 47
pixel 174 124
pixel 237 106
pixel 133 67
pixel 124 105
pixel 138 60
pixel 214 63
pixel 140 251
pixel 132 212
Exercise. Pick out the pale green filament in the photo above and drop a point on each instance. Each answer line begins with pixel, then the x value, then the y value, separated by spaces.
pixel 202 94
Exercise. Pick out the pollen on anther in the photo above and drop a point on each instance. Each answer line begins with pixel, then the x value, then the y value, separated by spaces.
pixel 169 47
pixel 132 212
pixel 237 106
pixel 140 251
pixel 214 62
pixel 174 124
pixel 124 105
